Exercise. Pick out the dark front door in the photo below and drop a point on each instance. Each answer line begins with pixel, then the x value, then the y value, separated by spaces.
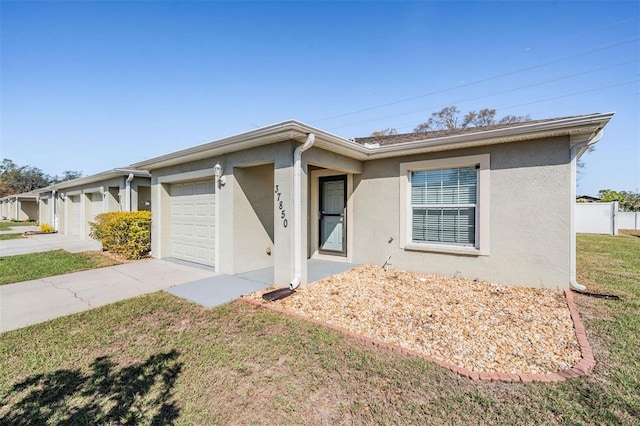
pixel 333 208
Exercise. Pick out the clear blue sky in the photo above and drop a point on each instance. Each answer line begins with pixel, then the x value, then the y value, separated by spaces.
pixel 90 86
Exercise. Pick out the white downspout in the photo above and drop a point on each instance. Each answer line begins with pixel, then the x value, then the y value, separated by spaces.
pixel 54 221
pixel 17 210
pixel 127 193
pixel 297 210
pixel 575 150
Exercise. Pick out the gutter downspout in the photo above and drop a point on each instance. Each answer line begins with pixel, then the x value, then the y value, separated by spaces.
pixel 575 151
pixel 54 221
pixel 127 193
pixel 297 210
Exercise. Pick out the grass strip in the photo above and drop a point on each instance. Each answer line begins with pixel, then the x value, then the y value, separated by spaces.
pixel 32 266
pixel 7 225
pixel 4 237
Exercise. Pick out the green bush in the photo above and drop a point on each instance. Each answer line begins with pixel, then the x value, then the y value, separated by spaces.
pixel 124 233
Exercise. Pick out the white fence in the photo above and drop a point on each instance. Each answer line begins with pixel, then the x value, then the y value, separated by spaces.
pixel 604 218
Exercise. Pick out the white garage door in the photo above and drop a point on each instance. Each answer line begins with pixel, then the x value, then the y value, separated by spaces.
pixel 193 221
pixel 76 216
pixel 96 205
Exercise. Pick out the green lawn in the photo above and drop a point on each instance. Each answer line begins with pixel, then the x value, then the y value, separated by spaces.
pixel 32 266
pixel 7 225
pixel 4 237
pixel 160 359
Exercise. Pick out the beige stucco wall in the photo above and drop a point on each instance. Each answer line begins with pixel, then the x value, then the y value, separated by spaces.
pixel 245 205
pixel 529 217
pixel 114 193
pixel 22 209
pixel 254 215
pixel 530 201
pixel 28 209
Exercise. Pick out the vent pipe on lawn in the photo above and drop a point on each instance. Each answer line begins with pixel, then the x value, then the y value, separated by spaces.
pixel 127 193
pixel 297 210
pixel 576 151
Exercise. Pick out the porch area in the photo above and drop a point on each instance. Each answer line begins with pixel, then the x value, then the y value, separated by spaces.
pixel 222 288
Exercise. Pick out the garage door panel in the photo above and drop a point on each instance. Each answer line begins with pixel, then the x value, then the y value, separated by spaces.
pixel 202 210
pixel 76 216
pixel 201 231
pixel 192 221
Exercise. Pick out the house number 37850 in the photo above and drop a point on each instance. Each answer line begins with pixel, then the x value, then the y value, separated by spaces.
pixel 283 212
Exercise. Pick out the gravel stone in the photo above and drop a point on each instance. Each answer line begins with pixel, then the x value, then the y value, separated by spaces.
pixel 480 326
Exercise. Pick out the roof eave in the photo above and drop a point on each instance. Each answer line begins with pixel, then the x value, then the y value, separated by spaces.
pixel 279 132
pixel 586 126
pixel 109 174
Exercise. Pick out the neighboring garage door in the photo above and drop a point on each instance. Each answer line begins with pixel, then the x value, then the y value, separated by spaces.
pixel 193 221
pixel 76 216
pixel 96 205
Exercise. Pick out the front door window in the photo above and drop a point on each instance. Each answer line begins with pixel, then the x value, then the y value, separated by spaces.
pixel 333 200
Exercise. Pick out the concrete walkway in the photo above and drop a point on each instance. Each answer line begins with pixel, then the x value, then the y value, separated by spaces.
pixel 20 229
pixel 36 301
pixel 32 302
pixel 47 242
pixel 214 291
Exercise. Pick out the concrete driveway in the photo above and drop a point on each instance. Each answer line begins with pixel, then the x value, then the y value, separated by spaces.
pixel 36 301
pixel 47 242
pixel 32 302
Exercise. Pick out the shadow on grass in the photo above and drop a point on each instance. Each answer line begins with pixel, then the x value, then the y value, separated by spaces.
pixel 134 394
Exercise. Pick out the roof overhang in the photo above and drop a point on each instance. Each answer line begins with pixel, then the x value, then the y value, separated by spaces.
pixel 106 175
pixel 32 195
pixel 279 132
pixel 578 128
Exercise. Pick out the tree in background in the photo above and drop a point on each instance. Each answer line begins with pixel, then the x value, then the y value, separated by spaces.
pixel 16 179
pixel 385 132
pixel 627 201
pixel 66 175
pixel 448 118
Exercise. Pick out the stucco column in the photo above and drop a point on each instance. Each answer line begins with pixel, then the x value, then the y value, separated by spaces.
pixel 283 263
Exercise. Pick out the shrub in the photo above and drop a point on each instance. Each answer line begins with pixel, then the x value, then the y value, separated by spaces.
pixel 46 228
pixel 125 233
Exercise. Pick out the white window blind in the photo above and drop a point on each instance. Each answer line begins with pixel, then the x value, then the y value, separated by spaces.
pixel 444 206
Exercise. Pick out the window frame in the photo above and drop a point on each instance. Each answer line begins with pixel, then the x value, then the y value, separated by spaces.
pixel 482 163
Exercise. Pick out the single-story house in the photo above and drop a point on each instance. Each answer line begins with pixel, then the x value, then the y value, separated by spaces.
pixel 19 207
pixel 493 203
pixel 69 206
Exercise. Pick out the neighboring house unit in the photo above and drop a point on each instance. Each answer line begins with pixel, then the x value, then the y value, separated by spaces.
pixel 70 206
pixel 494 203
pixel 587 199
pixel 20 207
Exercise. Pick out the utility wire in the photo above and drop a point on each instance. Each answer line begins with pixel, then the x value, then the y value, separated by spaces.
pixel 588 52
pixel 503 107
pixel 459 101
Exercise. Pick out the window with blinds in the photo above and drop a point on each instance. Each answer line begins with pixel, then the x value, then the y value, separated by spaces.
pixel 444 206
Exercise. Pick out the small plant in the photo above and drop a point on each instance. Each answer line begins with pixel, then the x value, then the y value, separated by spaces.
pixel 125 233
pixel 45 228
